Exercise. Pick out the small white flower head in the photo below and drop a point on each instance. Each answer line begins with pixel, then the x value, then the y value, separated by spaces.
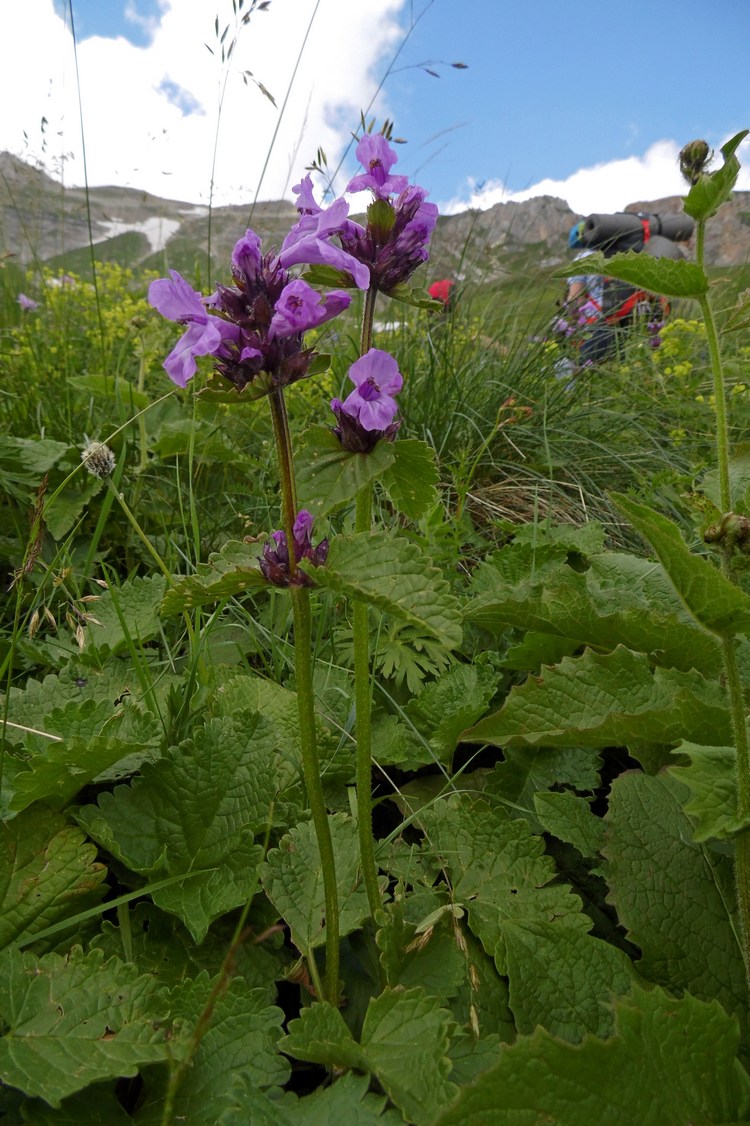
pixel 98 459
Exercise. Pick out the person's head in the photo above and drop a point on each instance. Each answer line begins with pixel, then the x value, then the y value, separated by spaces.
pixel 575 236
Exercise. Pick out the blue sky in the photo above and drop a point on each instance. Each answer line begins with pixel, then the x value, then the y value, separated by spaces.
pixel 590 104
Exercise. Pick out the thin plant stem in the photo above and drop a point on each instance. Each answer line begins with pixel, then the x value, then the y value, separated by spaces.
pixel 733 680
pixel 300 596
pixel 362 676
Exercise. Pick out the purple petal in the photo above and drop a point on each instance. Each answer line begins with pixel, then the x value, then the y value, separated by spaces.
pixel 380 367
pixel 176 300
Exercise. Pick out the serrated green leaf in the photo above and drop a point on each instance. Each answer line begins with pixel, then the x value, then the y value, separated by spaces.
pixel 619 600
pixel 239 1043
pixel 674 897
pixel 670 1063
pixel 712 190
pixel 614 699
pixel 347 1100
pixel 712 779
pixel 412 478
pixel 48 871
pixel 197 808
pixel 405 1043
pixel 537 649
pixel 667 276
pixel 739 482
pixel 448 704
pixel 230 571
pixel 394 575
pixel 559 975
pixel 569 818
pixel 711 598
pixel 329 476
pixel 411 295
pixel 293 881
pixel 218 389
pixel 126 611
pixel 71 1021
pixel 422 952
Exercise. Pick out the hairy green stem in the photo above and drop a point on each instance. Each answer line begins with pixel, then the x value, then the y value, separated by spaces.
pixel 733 681
pixel 300 596
pixel 362 692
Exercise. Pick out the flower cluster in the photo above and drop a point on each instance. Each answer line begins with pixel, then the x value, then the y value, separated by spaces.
pixel 28 304
pixel 253 326
pixel 368 413
pixel 275 560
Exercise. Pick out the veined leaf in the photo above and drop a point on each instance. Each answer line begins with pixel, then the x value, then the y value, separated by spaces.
pixel 48 871
pixel 394 575
pixel 559 975
pixel 712 778
pixel 568 816
pixel 197 808
pixel 231 571
pixel 329 476
pixel 404 1045
pixel 669 1063
pixel 74 1020
pixel 618 600
pixel 126 611
pixel 411 479
pixel 348 1100
pixel 609 700
pixel 711 598
pixel 660 879
pixel 240 1042
pixel 656 275
pixel 706 196
pixel 293 881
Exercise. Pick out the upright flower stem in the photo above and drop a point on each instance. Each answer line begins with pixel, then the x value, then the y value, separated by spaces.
pixel 306 702
pixel 732 674
pixel 362 695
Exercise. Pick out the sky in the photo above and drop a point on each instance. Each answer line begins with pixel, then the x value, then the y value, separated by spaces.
pixel 590 103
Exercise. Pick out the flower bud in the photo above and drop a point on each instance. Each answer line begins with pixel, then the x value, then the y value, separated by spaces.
pixel 694 159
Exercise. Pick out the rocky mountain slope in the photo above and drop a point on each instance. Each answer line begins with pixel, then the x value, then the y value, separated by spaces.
pixel 42 221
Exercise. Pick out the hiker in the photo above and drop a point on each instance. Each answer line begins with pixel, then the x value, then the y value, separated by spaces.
pixel 596 308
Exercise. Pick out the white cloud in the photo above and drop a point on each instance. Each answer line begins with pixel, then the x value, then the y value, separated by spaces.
pixel 138 133
pixel 604 187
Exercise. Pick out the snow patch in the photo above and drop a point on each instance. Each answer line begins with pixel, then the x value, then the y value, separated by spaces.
pixel 158 230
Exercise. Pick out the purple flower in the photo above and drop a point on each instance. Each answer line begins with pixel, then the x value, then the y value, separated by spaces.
pixel 275 561
pixel 307 242
pixel 247 260
pixel 300 307
pixel 28 304
pixel 206 334
pixel 377 158
pixel 376 380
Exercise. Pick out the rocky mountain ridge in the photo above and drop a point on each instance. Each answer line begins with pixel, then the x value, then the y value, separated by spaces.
pixel 40 220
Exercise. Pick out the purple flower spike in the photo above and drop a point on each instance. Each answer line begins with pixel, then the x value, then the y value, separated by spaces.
pixel 377 158
pixel 307 245
pixel 300 307
pixel 28 304
pixel 275 561
pixel 206 334
pixel 376 379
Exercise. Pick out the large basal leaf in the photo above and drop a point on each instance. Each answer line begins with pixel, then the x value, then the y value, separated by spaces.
pixel 706 196
pixel 614 699
pixel 675 897
pixel 412 478
pixel 329 476
pixel 230 571
pixel 293 881
pixel 568 817
pixel 74 1020
pixel 712 779
pixel 404 1044
pixel 448 704
pixel 394 575
pixel 670 1063
pixel 196 810
pixel 559 975
pixel 48 871
pixel 240 1042
pixel 656 275
pixel 711 598
pixel 618 600
pixel 129 611
pixel 348 1100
